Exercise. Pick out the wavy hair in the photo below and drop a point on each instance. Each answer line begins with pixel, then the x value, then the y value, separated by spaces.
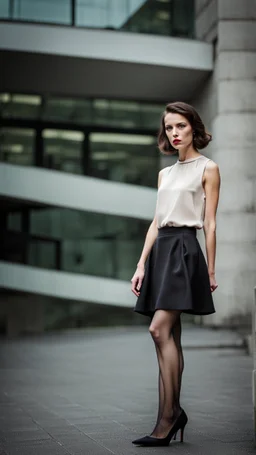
pixel 201 138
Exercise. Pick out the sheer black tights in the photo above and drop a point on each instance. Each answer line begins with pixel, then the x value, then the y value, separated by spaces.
pixel 165 329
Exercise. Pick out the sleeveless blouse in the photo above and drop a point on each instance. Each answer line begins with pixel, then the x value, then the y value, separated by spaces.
pixel 180 196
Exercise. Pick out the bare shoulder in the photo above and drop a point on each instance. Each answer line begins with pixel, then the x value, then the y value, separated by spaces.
pixel 211 166
pixel 212 171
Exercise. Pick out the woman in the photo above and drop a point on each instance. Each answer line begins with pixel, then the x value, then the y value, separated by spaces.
pixel 172 275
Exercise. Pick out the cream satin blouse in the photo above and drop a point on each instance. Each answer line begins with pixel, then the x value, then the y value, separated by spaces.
pixel 181 197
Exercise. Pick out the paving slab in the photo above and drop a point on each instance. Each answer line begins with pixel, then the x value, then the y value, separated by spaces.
pixel 93 391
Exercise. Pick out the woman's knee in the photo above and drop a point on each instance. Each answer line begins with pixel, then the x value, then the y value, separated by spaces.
pixel 157 333
pixel 162 324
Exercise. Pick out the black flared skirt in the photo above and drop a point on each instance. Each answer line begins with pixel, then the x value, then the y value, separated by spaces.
pixel 176 275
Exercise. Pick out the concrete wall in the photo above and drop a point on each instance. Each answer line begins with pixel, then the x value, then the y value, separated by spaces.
pixel 227 105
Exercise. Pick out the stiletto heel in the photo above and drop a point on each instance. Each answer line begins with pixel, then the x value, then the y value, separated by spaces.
pixel 179 424
pixel 181 434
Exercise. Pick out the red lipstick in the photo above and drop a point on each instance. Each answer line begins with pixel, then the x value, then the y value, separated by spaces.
pixel 176 141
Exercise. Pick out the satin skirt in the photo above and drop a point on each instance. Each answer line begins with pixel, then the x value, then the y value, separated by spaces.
pixel 176 275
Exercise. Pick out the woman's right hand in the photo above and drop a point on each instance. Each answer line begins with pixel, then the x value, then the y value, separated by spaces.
pixel 137 280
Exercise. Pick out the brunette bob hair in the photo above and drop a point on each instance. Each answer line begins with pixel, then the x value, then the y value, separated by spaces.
pixel 200 137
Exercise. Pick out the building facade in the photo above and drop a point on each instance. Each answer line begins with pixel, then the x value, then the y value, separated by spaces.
pixel 82 88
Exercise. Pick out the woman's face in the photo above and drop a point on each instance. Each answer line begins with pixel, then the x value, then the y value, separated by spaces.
pixel 178 130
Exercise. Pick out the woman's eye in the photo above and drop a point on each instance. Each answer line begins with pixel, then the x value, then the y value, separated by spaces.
pixel 168 128
pixel 182 125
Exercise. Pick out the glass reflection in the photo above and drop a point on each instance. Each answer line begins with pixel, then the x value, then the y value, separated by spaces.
pixel 119 156
pixel 4 9
pixel 137 16
pixel 98 112
pixel 56 11
pixel 17 145
pixel 41 253
pixel 90 243
pixel 14 221
pixel 152 17
pixel 182 19
pixel 20 105
pixel 68 109
pixel 160 17
pixel 102 13
pixel 124 158
pixel 125 114
pixel 63 150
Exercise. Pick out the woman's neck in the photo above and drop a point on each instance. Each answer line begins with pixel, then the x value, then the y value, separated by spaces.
pixel 187 154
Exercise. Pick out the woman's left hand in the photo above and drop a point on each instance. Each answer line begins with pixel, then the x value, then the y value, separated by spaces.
pixel 213 283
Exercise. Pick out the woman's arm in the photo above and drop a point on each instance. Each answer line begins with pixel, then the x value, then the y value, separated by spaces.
pixel 211 187
pixel 149 242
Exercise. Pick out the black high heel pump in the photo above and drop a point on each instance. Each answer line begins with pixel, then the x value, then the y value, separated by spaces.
pixel 179 424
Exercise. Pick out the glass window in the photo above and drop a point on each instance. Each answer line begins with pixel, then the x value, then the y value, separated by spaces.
pixel 160 17
pixel 63 150
pixel 127 158
pixel 20 106
pixel 90 243
pixel 152 17
pixel 121 157
pixel 182 22
pixel 17 145
pixel 69 110
pixel 14 221
pixel 102 13
pixel 77 242
pixel 99 112
pixel 124 114
pixel 103 112
pixel 56 11
pixel 151 115
pixel 41 253
pixel 4 9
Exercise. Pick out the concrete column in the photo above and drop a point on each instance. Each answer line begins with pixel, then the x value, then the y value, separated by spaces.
pixel 228 103
pixel 206 23
pixel 235 133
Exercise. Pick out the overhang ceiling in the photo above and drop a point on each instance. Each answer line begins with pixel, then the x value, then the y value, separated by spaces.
pixel 26 72
pixel 74 61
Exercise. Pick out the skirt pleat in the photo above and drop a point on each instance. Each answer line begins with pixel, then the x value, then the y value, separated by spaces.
pixel 176 275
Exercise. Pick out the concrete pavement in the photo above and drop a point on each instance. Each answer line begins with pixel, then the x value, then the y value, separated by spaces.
pixel 92 392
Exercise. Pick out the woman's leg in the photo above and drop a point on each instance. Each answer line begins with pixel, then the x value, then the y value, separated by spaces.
pixel 161 329
pixel 177 339
pixel 160 392
pixel 176 331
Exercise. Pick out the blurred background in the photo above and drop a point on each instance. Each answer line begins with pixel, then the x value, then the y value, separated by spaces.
pixel 82 88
